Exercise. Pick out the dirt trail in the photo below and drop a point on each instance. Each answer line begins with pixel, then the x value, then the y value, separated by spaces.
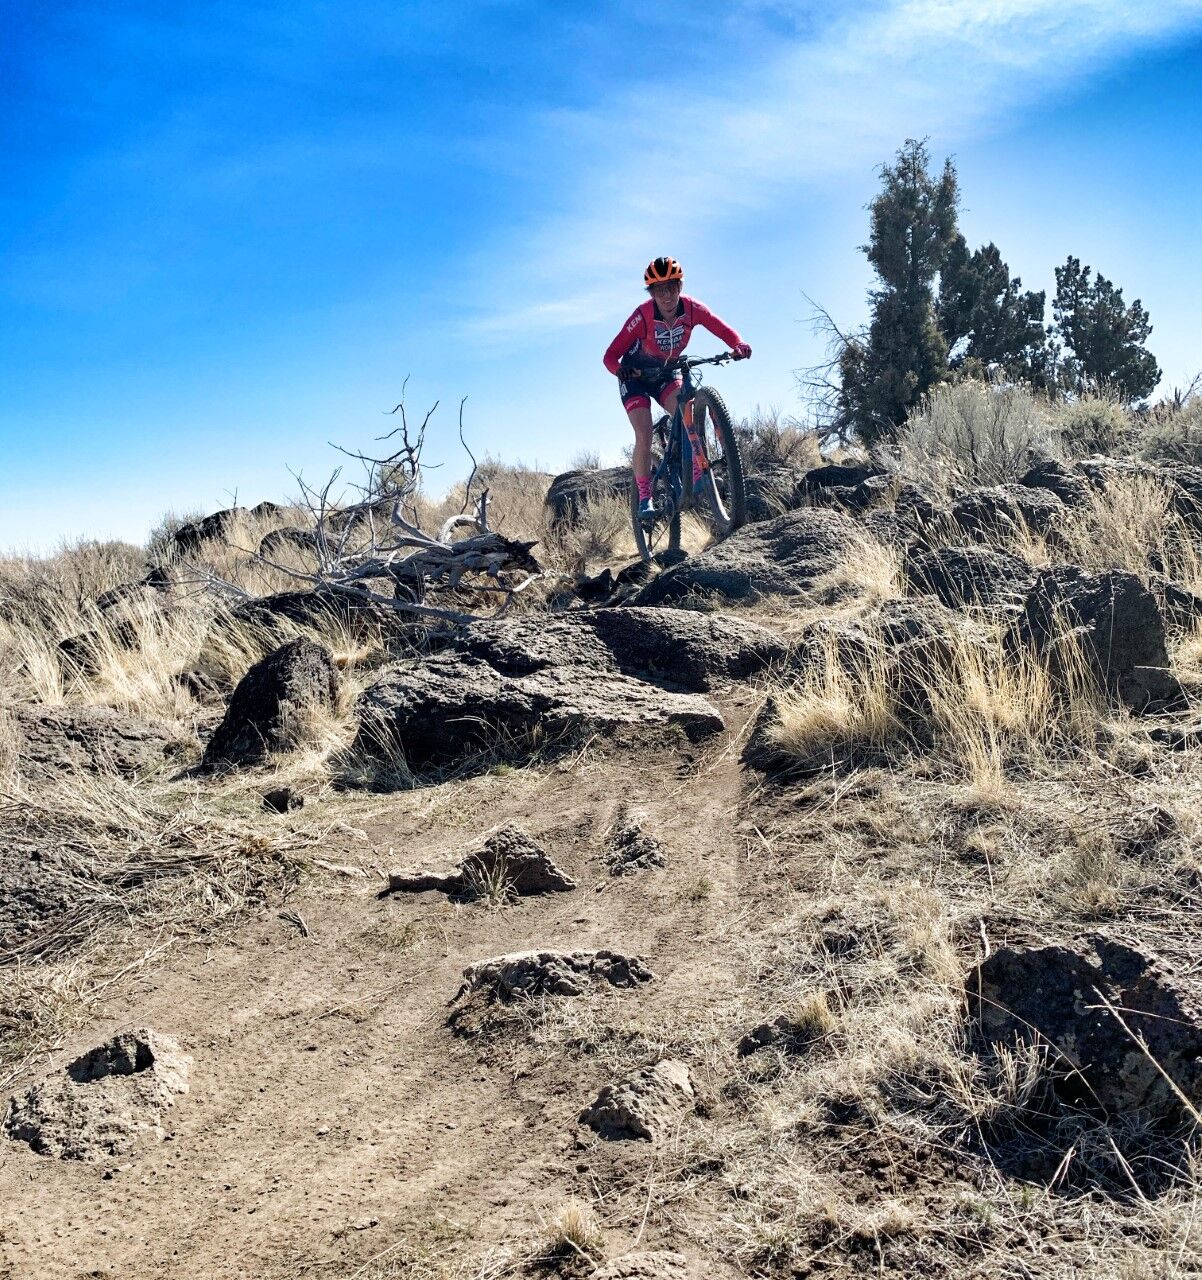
pixel 331 1110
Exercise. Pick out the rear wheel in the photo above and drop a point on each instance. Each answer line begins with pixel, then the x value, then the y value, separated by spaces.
pixel 723 497
pixel 656 537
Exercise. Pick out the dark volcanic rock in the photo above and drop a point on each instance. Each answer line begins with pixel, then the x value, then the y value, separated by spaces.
pixel 271 706
pixel 572 491
pixel 1115 622
pixel 283 800
pixel 287 539
pixel 1060 993
pixel 1005 509
pixel 836 475
pixel 446 708
pixel 785 556
pixel 773 490
pixel 971 575
pixel 686 649
pixel 1068 485
pixel 57 740
pixel 675 648
pixel 316 608
pixel 191 537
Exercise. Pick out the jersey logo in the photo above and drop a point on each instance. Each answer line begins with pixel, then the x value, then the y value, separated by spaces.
pixel 669 339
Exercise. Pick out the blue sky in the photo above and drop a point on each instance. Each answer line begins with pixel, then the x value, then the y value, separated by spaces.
pixel 229 231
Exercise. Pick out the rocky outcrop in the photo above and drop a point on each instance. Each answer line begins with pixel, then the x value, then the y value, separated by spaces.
pixel 572 491
pixel 512 681
pixel 104 1102
pixel 450 709
pixel 273 705
pixel 785 556
pixel 506 855
pixel 1006 510
pixel 1109 621
pixel 52 741
pixel 1092 1004
pixel 1068 485
pixel 648 1104
pixel 191 537
pixel 970 575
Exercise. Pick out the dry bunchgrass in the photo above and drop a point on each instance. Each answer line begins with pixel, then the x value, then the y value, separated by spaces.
pixel 980 711
pixel 1131 524
pixel 574 1232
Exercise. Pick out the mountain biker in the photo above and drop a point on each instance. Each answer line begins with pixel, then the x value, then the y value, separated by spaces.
pixel 658 331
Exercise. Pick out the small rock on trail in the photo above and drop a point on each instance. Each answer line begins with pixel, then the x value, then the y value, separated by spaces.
pixel 103 1102
pixel 646 1105
pixel 527 974
pixel 629 848
pixel 506 851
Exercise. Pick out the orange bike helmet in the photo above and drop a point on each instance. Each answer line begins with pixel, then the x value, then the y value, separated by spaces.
pixel 661 271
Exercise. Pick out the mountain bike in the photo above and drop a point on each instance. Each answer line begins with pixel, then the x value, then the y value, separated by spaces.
pixel 701 423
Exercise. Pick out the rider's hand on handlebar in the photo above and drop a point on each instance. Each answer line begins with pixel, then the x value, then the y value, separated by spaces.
pixel 742 352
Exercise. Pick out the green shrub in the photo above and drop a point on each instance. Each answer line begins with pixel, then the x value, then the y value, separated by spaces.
pixel 1173 432
pixel 1094 424
pixel 970 433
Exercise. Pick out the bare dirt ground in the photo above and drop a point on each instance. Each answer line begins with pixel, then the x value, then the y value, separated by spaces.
pixel 332 1112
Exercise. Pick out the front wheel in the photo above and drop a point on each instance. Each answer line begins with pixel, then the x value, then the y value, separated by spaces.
pixel 723 494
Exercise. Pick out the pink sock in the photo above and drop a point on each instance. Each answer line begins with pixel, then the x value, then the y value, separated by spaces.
pixel 698 469
pixel 644 487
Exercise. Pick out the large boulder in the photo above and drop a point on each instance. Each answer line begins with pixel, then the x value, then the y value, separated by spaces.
pixel 1112 621
pixel 52 741
pixel 674 648
pixel 572 491
pixel 972 575
pixel 1068 485
pixel 1006 509
pixel 785 556
pixel 191 537
pixel 1093 1004
pixel 514 679
pixel 686 649
pixel 450 708
pixel 273 705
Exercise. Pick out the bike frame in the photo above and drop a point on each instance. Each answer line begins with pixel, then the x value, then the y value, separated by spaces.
pixel 675 469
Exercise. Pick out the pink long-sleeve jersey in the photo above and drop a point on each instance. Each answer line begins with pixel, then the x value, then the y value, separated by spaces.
pixel 655 339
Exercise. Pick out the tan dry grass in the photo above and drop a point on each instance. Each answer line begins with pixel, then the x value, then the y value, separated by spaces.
pixel 987 709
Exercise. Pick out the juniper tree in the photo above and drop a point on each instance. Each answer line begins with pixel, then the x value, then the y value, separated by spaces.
pixel 987 320
pixel 903 354
pixel 1104 335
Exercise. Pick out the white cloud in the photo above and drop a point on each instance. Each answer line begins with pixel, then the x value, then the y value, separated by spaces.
pixel 668 164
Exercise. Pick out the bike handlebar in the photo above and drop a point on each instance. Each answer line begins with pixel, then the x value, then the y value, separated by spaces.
pixel 691 362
